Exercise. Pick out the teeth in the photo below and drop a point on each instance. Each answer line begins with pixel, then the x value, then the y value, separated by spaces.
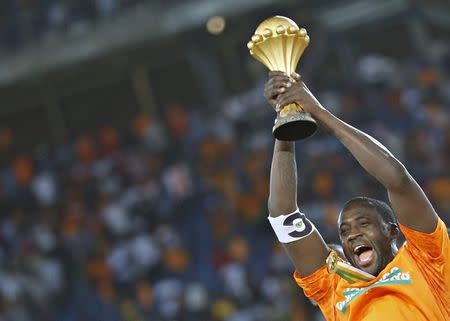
pixel 358 247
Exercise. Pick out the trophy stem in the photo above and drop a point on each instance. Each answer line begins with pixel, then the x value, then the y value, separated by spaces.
pixel 293 123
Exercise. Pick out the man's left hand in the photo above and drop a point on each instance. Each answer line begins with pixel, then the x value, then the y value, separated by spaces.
pixel 300 94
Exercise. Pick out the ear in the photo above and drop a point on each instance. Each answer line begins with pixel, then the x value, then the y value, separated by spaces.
pixel 393 231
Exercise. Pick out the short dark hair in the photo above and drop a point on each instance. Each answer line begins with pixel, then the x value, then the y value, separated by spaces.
pixel 381 207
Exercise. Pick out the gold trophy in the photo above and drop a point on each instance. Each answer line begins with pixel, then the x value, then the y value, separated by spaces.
pixel 279 43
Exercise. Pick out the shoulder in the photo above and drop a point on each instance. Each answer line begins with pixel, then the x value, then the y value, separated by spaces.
pixel 434 245
pixel 319 285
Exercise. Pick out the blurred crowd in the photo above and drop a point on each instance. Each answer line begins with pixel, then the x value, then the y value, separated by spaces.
pixel 30 21
pixel 167 221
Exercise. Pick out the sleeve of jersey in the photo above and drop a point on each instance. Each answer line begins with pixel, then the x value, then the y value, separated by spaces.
pixel 318 286
pixel 432 247
pixel 431 253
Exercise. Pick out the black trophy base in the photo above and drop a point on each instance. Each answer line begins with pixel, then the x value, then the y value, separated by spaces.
pixel 294 126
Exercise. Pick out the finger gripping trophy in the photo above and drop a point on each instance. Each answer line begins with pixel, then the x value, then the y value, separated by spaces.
pixel 279 43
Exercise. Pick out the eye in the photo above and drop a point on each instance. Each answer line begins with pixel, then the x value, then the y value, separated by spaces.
pixel 344 232
pixel 364 224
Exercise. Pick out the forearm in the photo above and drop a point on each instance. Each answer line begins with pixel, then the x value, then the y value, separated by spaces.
pixel 307 253
pixel 283 179
pixel 376 159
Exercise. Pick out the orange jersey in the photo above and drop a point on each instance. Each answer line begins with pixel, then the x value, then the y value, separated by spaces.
pixel 415 285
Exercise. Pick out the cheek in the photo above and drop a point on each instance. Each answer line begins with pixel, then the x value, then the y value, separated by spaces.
pixel 382 244
pixel 346 250
pixel 376 234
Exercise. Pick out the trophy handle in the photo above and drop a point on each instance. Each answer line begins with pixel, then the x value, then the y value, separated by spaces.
pixel 293 123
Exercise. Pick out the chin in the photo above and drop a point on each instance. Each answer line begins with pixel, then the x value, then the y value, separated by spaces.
pixel 375 269
pixel 376 266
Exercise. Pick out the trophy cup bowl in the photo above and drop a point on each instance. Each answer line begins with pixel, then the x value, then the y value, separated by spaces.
pixel 278 43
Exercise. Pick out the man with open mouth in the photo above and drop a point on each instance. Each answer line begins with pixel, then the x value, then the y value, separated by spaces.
pixel 376 280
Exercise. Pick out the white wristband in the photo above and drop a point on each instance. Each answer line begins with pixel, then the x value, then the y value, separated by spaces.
pixel 291 227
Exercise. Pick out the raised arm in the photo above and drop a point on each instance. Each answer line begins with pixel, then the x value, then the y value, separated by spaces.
pixel 408 201
pixel 308 253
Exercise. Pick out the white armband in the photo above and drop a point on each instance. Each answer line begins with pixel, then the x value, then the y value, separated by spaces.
pixel 291 227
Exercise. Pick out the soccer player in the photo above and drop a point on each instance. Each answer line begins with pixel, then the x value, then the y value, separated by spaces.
pixel 377 281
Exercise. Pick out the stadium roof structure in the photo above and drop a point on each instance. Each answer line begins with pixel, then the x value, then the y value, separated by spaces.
pixel 150 22
pixel 145 23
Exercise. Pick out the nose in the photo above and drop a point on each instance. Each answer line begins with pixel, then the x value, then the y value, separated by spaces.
pixel 354 233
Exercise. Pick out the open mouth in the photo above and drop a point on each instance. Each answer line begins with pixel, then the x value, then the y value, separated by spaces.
pixel 364 255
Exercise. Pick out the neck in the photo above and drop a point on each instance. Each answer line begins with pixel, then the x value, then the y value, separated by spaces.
pixel 394 250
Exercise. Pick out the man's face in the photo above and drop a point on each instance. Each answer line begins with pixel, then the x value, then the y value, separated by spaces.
pixel 366 239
